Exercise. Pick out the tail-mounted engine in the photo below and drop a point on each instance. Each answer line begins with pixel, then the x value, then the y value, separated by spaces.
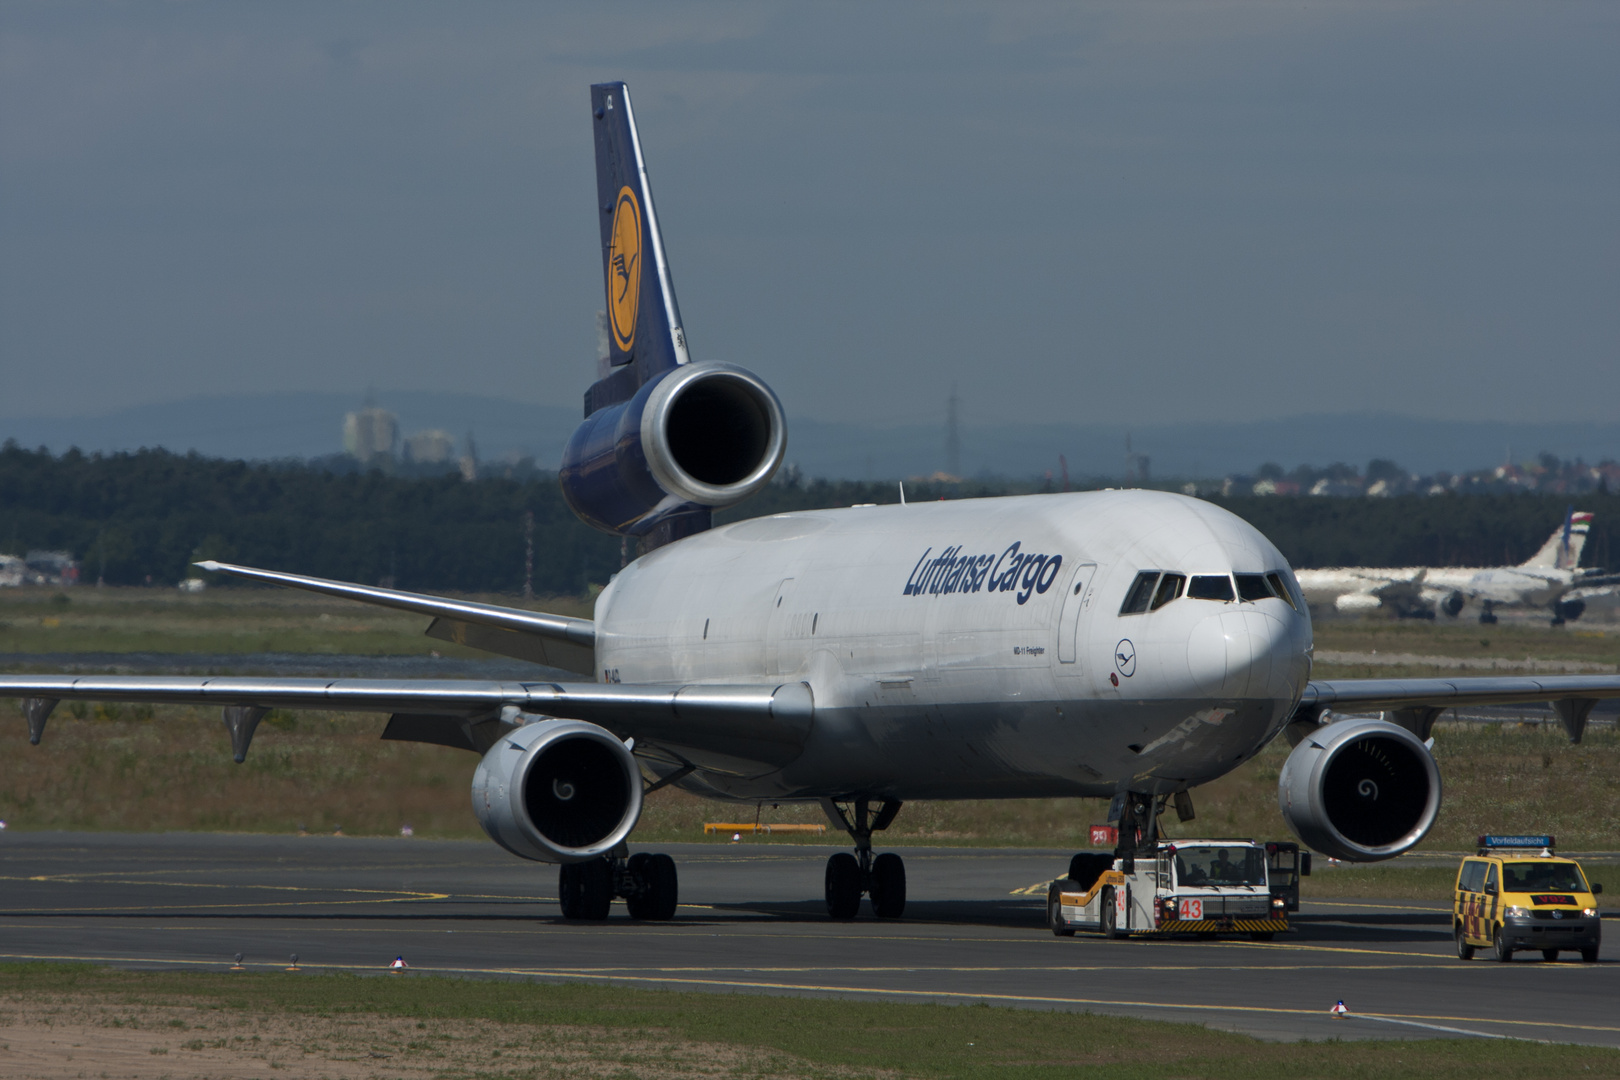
pixel 700 435
pixel 558 791
pixel 1360 790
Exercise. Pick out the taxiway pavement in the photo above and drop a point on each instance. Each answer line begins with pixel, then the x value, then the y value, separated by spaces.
pixel 752 920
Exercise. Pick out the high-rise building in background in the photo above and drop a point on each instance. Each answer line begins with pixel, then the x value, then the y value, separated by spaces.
pixel 372 434
pixel 1136 465
pixel 432 447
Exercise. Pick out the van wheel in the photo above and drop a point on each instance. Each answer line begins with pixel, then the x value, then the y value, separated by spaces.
pixel 1504 951
pixel 1465 951
pixel 1589 955
pixel 1549 954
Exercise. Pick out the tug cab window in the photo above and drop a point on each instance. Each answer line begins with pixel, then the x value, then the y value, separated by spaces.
pixel 1210 587
pixel 1253 587
pixel 1136 601
pixel 1170 587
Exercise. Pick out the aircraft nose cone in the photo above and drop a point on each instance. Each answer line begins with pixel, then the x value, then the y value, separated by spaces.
pixel 1244 654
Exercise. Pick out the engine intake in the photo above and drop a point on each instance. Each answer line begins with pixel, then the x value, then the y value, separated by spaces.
pixel 706 435
pixel 558 791
pixel 1360 790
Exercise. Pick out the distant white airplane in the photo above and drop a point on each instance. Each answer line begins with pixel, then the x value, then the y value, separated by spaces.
pixel 1546 580
pixel 1127 645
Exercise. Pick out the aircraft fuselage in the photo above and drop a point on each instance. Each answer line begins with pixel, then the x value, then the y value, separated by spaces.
pixel 974 648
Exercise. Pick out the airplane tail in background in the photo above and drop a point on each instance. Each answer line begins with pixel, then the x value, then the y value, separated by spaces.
pixel 1562 551
pixel 643 320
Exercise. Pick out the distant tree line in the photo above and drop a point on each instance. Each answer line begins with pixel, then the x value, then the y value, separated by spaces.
pixel 130 517
pixel 146 516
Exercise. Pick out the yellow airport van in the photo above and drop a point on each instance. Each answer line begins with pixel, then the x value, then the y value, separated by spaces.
pixel 1517 895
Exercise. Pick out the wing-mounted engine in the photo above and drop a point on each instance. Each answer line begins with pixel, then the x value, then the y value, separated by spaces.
pixel 558 791
pixel 1360 790
pixel 696 436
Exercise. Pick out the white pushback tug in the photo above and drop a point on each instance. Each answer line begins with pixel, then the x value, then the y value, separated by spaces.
pixel 1204 887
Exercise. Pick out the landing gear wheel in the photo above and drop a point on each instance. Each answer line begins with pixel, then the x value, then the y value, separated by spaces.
pixel 1499 944
pixel 1589 954
pixel 843 886
pixel 1465 951
pixel 1549 954
pixel 1054 910
pixel 888 888
pixel 585 890
pixel 659 887
pixel 1110 918
pixel 635 905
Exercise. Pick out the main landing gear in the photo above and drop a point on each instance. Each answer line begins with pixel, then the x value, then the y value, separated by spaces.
pixel 646 882
pixel 849 876
pixel 1487 617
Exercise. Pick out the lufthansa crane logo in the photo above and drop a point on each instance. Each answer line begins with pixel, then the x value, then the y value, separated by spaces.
pixel 1125 657
pixel 624 269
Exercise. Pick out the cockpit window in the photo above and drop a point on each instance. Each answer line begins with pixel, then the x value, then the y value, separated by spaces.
pixel 1170 587
pixel 1136 601
pixel 1210 587
pixel 1277 586
pixel 1252 587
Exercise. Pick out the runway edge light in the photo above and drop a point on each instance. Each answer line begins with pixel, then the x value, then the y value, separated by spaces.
pixel 398 965
pixel 1339 1010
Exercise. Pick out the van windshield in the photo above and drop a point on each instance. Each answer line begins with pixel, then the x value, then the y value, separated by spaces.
pixel 1542 877
pixel 1217 866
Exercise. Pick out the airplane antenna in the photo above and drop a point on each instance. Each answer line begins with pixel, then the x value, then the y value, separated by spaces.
pixel 902 493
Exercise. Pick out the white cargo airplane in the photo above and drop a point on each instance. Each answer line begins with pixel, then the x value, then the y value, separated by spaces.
pixel 1545 580
pixel 1128 645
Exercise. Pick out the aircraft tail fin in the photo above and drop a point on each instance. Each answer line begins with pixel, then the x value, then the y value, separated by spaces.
pixel 643 320
pixel 1562 551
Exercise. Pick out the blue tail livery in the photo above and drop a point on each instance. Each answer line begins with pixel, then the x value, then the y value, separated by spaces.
pixel 665 440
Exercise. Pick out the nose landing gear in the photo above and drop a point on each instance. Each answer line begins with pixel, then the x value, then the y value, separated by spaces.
pixel 849 876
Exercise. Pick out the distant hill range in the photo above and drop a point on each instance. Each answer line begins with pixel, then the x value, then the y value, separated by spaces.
pixel 307 425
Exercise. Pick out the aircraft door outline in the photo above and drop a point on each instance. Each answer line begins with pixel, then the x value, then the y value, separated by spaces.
pixel 1076 598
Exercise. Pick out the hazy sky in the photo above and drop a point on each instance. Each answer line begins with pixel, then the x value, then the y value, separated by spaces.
pixel 1138 212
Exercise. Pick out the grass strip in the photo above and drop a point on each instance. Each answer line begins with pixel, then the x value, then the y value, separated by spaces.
pixel 784 1036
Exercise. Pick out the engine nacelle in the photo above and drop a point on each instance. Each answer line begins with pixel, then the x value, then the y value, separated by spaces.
pixel 558 791
pixel 700 434
pixel 1360 790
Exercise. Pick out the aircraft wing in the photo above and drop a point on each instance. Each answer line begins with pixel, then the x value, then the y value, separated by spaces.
pixel 1416 703
pixel 1374 694
pixel 554 640
pixel 765 724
